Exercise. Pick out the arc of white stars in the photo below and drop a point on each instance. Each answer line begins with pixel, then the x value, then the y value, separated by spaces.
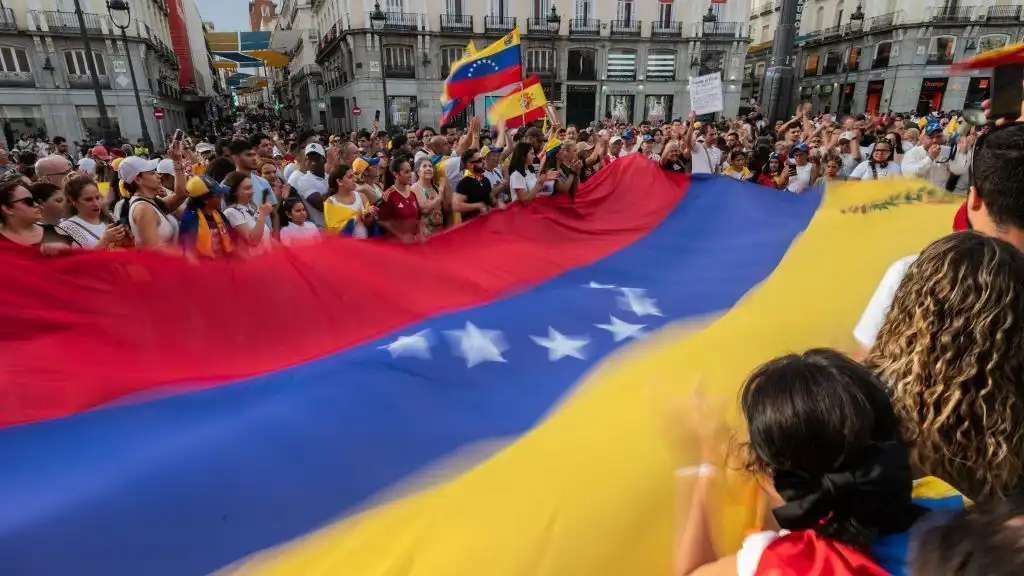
pixel 622 330
pixel 559 345
pixel 636 301
pixel 415 345
pixel 476 345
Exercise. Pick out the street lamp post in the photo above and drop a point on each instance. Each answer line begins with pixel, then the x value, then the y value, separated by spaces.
pixel 109 136
pixel 121 8
pixel 554 24
pixel 378 20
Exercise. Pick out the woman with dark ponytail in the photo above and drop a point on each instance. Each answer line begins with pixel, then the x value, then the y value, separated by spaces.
pixel 825 438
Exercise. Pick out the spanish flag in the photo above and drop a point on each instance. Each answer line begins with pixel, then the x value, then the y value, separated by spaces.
pixel 520 107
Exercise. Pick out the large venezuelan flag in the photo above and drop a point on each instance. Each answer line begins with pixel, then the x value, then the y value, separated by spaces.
pixel 478 405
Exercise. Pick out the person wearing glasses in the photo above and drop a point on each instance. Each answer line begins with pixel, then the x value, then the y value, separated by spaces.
pixel 994 207
pixel 880 165
pixel 20 214
pixel 52 169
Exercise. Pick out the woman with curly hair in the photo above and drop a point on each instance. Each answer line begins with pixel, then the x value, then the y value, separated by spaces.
pixel 952 351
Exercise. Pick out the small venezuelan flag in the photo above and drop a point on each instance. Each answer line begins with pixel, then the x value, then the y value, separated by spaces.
pixel 520 107
pixel 492 68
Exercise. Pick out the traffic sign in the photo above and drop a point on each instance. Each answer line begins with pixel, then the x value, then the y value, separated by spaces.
pixel 356 111
pixel 158 113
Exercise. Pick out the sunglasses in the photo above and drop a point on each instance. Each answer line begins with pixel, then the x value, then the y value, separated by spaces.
pixel 27 201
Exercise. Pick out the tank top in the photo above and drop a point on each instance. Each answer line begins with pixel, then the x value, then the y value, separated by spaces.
pixel 358 228
pixel 166 232
pixel 801 180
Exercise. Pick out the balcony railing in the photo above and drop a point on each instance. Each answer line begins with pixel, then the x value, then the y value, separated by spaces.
pixel 882 62
pixel 882 22
pixel 1005 13
pixel 499 24
pixel 663 29
pixel 831 67
pixel 7 21
pixel 584 27
pixel 67 22
pixel 951 14
pixel 399 21
pixel 17 79
pixel 626 28
pixel 939 58
pixel 85 81
pixel 400 71
pixel 830 31
pixel 766 8
pixel 537 26
pixel 458 23
pixel 721 29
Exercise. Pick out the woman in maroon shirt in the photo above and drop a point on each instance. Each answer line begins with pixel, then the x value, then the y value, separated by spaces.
pixel 399 213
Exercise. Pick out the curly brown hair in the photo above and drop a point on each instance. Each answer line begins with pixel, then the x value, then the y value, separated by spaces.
pixel 952 350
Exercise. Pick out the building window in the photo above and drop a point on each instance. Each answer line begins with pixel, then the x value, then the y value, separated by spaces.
pixel 811 66
pixel 819 18
pixel 657 109
pixel 449 55
pixel 711 61
pixel 665 12
pixel 832 62
pixel 582 65
pixel 540 8
pixel 454 7
pixel 403 111
pixel 624 11
pixel 852 61
pixel 764 33
pixel 840 8
pixel 661 66
pixel 77 65
pixel 941 49
pixel 584 9
pixel 622 65
pixel 620 108
pixel 399 62
pixel 539 61
pixel 499 8
pixel 13 60
pixel 396 6
pixel 883 51
pixel 992 42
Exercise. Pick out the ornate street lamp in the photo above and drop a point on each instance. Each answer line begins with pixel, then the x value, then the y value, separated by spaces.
pixel 119 12
pixel 554 24
pixel 378 21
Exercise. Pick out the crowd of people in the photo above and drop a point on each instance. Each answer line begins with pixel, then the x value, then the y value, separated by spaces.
pixel 938 390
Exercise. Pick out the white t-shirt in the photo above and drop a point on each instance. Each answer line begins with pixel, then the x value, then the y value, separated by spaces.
pixel 307 185
pixel 238 215
pixel 293 179
pixel 873 317
pixel 863 171
pixel 288 171
pixel 294 235
pixel 453 171
pixel 517 181
pixel 705 159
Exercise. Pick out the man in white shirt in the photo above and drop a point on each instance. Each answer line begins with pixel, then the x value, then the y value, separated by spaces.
pixel 704 156
pixel 312 185
pixel 931 161
pixel 995 207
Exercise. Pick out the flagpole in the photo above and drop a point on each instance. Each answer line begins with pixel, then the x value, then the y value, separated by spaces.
pixel 522 86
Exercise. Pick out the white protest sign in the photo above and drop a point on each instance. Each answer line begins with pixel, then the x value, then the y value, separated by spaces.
pixel 706 94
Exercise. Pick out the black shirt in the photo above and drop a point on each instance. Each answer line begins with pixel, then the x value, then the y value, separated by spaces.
pixel 475 190
pixel 674 166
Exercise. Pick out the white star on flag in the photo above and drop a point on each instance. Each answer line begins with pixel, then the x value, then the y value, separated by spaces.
pixel 599 286
pixel 559 345
pixel 636 301
pixel 621 330
pixel 416 345
pixel 476 345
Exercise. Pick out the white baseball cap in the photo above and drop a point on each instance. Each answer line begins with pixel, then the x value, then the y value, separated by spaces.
pixel 87 165
pixel 615 139
pixel 166 166
pixel 315 148
pixel 204 147
pixel 846 136
pixel 132 166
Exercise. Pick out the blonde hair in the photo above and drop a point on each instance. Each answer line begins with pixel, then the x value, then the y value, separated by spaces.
pixel 952 350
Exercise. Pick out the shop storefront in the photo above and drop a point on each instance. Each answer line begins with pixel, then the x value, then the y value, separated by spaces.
pixel 658 109
pixel 977 92
pixel 874 101
pixel 19 120
pixel 932 92
pixel 619 107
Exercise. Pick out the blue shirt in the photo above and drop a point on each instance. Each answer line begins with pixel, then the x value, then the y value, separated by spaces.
pixel 261 191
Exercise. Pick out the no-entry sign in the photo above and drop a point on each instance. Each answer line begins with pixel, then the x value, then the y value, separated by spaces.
pixel 158 113
pixel 356 111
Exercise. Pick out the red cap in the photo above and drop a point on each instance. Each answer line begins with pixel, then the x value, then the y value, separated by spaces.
pixel 100 153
